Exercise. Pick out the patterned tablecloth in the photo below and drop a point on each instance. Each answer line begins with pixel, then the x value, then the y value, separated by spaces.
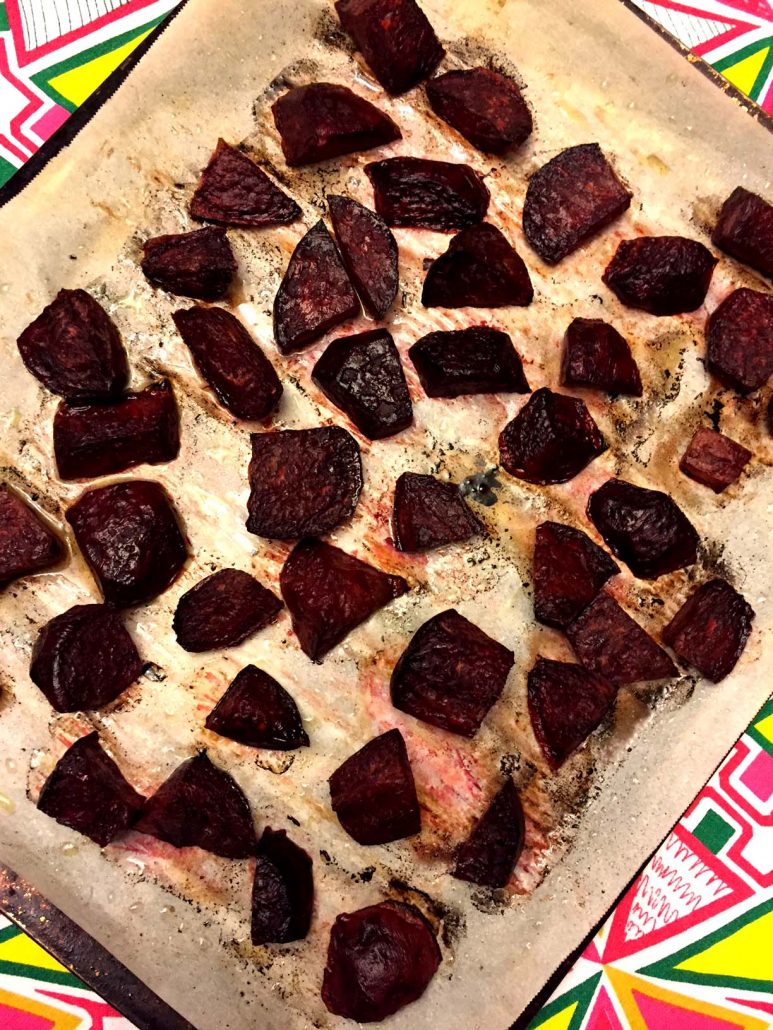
pixel 690 945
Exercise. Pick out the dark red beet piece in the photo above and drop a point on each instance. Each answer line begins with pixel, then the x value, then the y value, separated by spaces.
pixel 88 792
pixel 131 539
pixel 597 356
pixel 258 711
pixel 711 628
pixel 369 252
pixel 27 545
pixel 571 199
pixel 99 439
pixel 644 528
pixel 450 674
pixel 415 193
pixel 714 460
pixel 739 336
pixel 243 379
pixel 664 275
pixel 315 294
pixel 304 482
pixel 84 658
pixel 196 264
pixel 282 890
pixel 373 793
pixel 569 570
pixel 222 610
pixel 328 593
pixel 430 513
pixel 486 107
pixel 363 376
pixel 550 440
pixel 468 361
pixel 395 38
pixel 200 806
pixel 74 348
pixel 745 230
pixel 479 269
pixel 566 704
pixel 489 854
pixel 233 190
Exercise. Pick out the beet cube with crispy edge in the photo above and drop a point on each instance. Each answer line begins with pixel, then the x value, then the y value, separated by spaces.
pixel 222 610
pixel 282 890
pixel 88 792
pixel 369 252
pixel 416 193
pixel 303 482
pixel 457 362
pixel 739 338
pixel 430 513
pixel 479 269
pixel 711 628
pixel 744 229
pixel 328 593
pixel 597 356
pixel 569 570
pixel 258 711
pixel 27 544
pixel 484 105
pixel 196 264
pixel 664 275
pixel 489 854
pixel 714 460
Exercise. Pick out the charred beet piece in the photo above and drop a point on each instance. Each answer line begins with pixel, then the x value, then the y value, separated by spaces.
pixel 566 704
pixel 550 440
pixel 233 190
pixel 489 854
pixel 282 890
pixel 258 711
pixel 645 528
pixel 479 269
pixel 373 793
pixel 74 348
pixel 87 792
pixel 664 275
pixel 711 628
pixel 596 355
pixel 304 482
pixel 570 199
pixel 739 336
pixel 200 806
pixel 328 593
pixel 467 361
pixel 84 658
pixel 362 375
pixel 745 230
pixel 369 252
pixel 243 379
pixel 27 545
pixel 714 460
pixel 414 193
pixel 131 539
pixel 196 264
pixel 315 294
pixel 99 439
pixel 569 570
pixel 486 107
pixel 222 610
pixel 450 674
pixel 430 513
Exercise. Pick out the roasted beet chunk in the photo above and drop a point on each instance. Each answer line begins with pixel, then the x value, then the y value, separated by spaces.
pixel 200 806
pixel 414 193
pixel 258 711
pixel 196 264
pixel 304 482
pixel 745 230
pixel 550 440
pixel 714 460
pixel 282 890
pixel 664 275
pixel 570 199
pixel 711 628
pixel 74 348
pixel 486 107
pixel 373 792
pixel 430 513
pixel 450 674
pixel 230 361
pixel 569 570
pixel 644 528
pixel 233 190
pixel 362 375
pixel 739 336
pixel 130 537
pixel 27 545
pixel 99 439
pixel 87 792
pixel 329 592
pixel 489 854
pixel 369 251
pixel 480 269
pixel 466 361
pixel 222 610
pixel 84 658
pixel 597 356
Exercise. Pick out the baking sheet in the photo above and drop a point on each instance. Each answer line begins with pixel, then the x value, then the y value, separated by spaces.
pixel 180 920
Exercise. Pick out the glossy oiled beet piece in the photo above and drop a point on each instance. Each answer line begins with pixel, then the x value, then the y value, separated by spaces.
pixel 233 190
pixel 131 539
pixel 200 806
pixel 450 674
pixel 489 854
pixel 87 792
pixel 233 365
pixel 739 337
pixel 329 592
pixel 645 528
pixel 196 264
pixel 596 355
pixel 84 658
pixel 97 439
pixel 664 275
pixel 222 610
pixel 745 230
pixel 711 628
pixel 479 269
pixel 415 193
pixel 569 570
pixel 373 793
pixel 26 543
pixel 74 348
pixel 714 460
pixel 467 361
pixel 258 711
pixel 369 252
pixel 570 199
pixel 303 482
pixel 486 107
pixel 430 513
pixel 363 376
pixel 282 890
pixel 550 440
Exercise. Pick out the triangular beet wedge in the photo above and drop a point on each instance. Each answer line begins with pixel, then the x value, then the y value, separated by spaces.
pixel 569 570
pixel 430 513
pixel 480 269
pixel 258 711
pixel 597 356
pixel 282 890
pixel 479 359
pixel 222 610
pixel 369 251
pixel 27 543
pixel 489 854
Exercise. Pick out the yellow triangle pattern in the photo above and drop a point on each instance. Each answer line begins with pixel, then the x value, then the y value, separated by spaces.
pixel 77 84
pixel 24 950
pixel 744 74
pixel 561 1020
pixel 33 1007
pixel 746 953
pixel 765 727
